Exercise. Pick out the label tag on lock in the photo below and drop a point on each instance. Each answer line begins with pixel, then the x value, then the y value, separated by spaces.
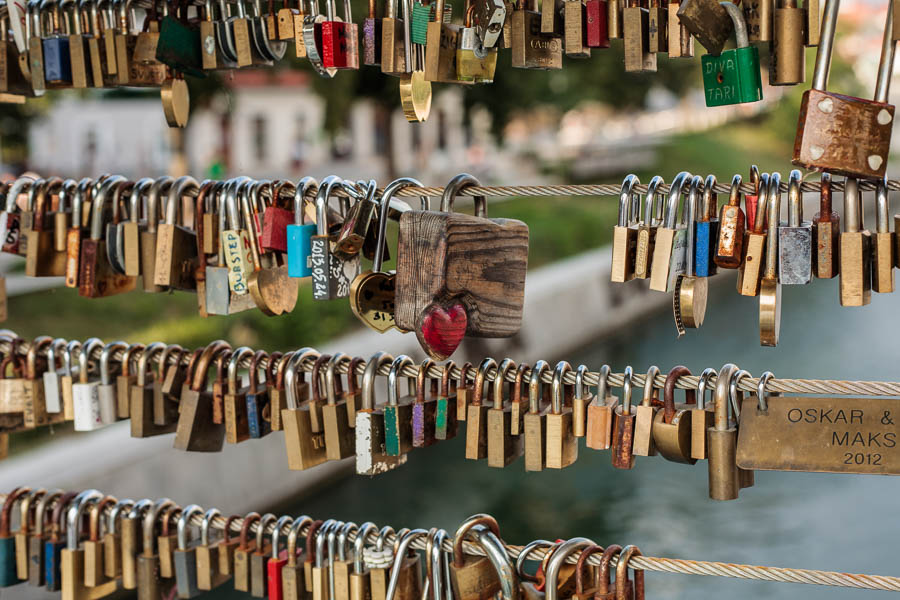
pixel 825 435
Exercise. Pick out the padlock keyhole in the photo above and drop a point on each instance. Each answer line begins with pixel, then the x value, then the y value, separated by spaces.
pixel 720 77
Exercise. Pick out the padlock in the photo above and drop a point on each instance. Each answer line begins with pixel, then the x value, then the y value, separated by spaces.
pixel 732 76
pixel 636 34
pixel 473 577
pixel 623 427
pixel 754 241
pixel 883 242
pixel 562 445
pixel 642 443
pixel 132 537
pixel 259 579
pixel 580 403
pixel 398 411
pixel 576 29
pixel 197 430
pixel 340 45
pixel 598 433
pixel 625 232
pixel 72 557
pixel 85 397
pixel 56 542
pixel 489 18
pixel 531 48
pixel 277 560
pixel 691 291
pixel 441 43
pixel 176 246
pixel 534 422
pixel 257 400
pixel 722 439
pixel 446 422
pixel 795 240
pixel 406 570
pixel 708 21
pixel 625 589
pixel 27 508
pixel 758 16
pixel 476 414
pixel 788 55
pixel 209 575
pixel 435 282
pixel 340 439
pixel 226 548
pixel 56 56
pixel 94 554
pixel 292 583
pixel 729 243
pixel 769 285
pixel 651 219
pixel 305 448
pixel 842 134
pixel 331 274
pixel 359 219
pixel 241 571
pixel 706 230
pixel 185 556
pixel 855 250
pixel 393 48
pixel 341 562
pixel 96 277
pixel 669 255
pixel 424 409
pixel 746 477
pixel 556 564
pixel 827 230
pixel 502 446
pixel 112 539
pixel 672 425
pixel 474 62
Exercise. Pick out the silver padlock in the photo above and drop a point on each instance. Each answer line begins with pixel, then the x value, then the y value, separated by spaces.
pixel 185 556
pixel 795 240
pixel 85 397
pixel 106 391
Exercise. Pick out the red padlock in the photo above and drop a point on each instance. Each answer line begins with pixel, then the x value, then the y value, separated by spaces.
pixel 276 218
pixel 597 31
pixel 340 39
pixel 277 561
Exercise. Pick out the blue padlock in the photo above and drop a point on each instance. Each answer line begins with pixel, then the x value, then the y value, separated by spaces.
pixel 706 231
pixel 55 45
pixel 257 402
pixel 8 575
pixel 300 233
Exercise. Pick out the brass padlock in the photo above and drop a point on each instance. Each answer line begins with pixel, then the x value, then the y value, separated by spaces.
pixel 722 439
pixel 534 422
pixel 562 445
pixel 473 577
pixel 672 425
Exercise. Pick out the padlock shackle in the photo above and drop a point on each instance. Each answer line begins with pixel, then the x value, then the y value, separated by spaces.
pixel 234 362
pixel 764 379
pixel 762 196
pixel 882 206
pixel 629 202
pixel 733 392
pixel 437 573
pixel 486 365
pixel 75 513
pixel 71 348
pixel 669 392
pixel 19 186
pixel 627 386
pixel 300 190
pixel 400 553
pixel 105 357
pixel 557 388
pixel 774 215
pixel 388 194
pixel 396 367
pixel 140 187
pixel 603 385
pixel 184 520
pixel 333 385
pixel 534 386
pixel 558 557
pixel 321 538
pixel 654 203
pixel 208 516
pixel 622 565
pixel 157 189
pixel 322 196
pixel 144 361
pixel 455 188
pixel 692 210
pixel 886 61
pixel 580 386
pixel 826 44
pixel 282 522
pixel 702 383
pixel 342 536
pixel 652 372
pixel 98 207
pixel 261 529
pixel 89 347
pixel 741 37
pixel 422 379
pixel 795 199
pixel 734 195
pixel 853 209
pixel 675 192
pixel 506 365
pixel 368 379
pixel 291 544
pixel 709 204
pixel 182 186
pixel 495 552
pixel 721 399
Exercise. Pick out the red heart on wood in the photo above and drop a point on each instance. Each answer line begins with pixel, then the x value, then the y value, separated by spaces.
pixel 442 329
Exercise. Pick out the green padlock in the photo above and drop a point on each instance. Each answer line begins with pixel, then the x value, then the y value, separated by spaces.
pixel 733 76
pixel 421 16
pixel 179 46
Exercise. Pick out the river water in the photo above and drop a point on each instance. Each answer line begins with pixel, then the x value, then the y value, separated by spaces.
pixel 815 521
